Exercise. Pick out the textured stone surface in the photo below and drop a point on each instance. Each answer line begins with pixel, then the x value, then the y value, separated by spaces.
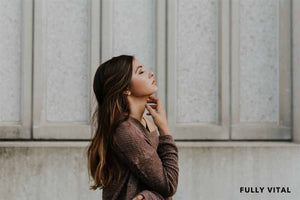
pixel 10 60
pixel 196 61
pixel 205 173
pixel 45 173
pixel 218 173
pixel 65 47
pixel 259 68
pixel 134 30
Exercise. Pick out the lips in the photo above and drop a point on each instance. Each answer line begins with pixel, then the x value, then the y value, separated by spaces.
pixel 153 82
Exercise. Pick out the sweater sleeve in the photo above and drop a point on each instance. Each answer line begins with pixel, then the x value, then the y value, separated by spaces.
pixel 158 169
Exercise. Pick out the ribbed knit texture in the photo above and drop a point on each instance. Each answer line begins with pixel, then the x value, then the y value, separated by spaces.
pixel 149 162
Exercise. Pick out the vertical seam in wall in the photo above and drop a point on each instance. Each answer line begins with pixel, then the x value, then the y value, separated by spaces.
pixel 230 63
pixel 292 66
pixel 32 69
pixel 100 27
pixel 217 66
pixel 166 57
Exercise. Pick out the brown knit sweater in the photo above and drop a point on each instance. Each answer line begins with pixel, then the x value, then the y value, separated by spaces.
pixel 149 162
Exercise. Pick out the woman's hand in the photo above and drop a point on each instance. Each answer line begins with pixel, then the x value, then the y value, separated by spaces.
pixel 159 116
pixel 138 197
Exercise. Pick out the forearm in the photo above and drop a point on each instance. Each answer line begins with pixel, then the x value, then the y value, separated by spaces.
pixel 164 131
pixel 168 153
pixel 157 168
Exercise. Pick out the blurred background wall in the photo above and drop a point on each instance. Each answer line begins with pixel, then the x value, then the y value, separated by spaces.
pixel 227 72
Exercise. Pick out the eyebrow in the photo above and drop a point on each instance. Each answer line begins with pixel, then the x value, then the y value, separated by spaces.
pixel 138 68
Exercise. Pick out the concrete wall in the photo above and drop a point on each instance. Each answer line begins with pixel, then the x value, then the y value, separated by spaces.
pixel 208 171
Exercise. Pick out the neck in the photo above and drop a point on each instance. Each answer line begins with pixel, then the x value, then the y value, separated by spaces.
pixel 137 106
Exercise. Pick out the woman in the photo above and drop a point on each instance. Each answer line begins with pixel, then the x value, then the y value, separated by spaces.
pixel 126 157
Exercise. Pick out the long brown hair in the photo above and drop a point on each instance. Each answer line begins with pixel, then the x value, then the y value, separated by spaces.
pixel 110 80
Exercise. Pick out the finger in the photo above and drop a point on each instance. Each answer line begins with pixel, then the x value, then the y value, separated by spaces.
pixel 154 98
pixel 151 100
pixel 159 104
pixel 153 106
pixel 139 197
pixel 151 111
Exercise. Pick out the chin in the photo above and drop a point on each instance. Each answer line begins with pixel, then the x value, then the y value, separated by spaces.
pixel 154 91
pixel 149 91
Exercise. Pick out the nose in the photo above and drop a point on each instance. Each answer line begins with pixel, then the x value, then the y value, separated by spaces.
pixel 151 74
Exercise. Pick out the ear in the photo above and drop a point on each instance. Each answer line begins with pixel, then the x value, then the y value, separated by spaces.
pixel 127 92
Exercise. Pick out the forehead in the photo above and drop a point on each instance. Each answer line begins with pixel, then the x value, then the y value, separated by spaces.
pixel 136 63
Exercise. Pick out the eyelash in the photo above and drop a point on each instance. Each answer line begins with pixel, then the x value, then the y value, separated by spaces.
pixel 141 72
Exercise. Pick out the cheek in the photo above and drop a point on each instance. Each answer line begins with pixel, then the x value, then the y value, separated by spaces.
pixel 139 85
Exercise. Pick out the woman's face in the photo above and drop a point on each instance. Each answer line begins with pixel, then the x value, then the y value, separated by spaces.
pixel 142 80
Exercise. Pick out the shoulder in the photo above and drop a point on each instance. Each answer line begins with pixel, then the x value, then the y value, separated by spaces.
pixel 128 136
pixel 125 126
pixel 127 130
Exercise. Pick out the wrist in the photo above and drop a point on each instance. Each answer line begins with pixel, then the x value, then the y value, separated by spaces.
pixel 164 131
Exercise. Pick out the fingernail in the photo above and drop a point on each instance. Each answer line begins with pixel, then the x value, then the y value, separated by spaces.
pixel 146 106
